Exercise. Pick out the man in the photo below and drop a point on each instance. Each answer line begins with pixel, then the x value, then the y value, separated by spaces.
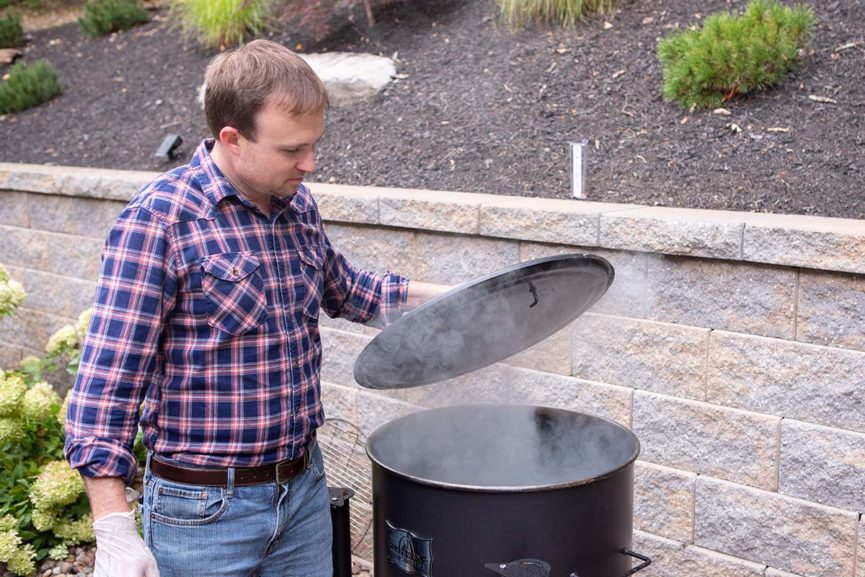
pixel 207 312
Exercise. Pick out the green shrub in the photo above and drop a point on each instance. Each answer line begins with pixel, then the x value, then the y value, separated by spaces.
pixel 27 3
pixel 28 85
pixel 517 13
pixel 11 32
pixel 733 54
pixel 101 17
pixel 221 23
pixel 43 506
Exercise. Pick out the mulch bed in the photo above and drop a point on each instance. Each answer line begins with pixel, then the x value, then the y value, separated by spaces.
pixel 478 108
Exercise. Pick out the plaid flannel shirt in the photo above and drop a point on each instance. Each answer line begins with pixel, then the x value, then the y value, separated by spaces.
pixel 207 311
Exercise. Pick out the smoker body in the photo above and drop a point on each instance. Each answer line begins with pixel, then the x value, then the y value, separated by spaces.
pixel 580 530
pixel 432 521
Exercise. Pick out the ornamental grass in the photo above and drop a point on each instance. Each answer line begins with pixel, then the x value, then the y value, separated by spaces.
pixel 221 23
pixel 518 13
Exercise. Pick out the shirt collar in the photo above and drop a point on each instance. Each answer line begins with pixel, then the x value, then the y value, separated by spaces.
pixel 214 184
pixel 217 187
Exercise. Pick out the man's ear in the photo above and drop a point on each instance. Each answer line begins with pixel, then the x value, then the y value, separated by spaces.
pixel 230 137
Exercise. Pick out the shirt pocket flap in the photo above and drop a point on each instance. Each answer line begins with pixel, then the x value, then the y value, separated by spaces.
pixel 312 256
pixel 230 266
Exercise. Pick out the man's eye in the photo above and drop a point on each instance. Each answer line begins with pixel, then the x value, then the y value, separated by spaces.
pixel 290 150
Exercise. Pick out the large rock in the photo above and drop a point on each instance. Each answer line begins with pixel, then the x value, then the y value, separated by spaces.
pixel 349 77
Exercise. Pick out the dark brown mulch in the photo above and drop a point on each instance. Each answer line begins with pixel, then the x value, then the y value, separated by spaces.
pixel 478 108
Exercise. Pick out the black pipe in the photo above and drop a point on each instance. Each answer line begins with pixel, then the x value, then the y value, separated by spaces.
pixel 340 517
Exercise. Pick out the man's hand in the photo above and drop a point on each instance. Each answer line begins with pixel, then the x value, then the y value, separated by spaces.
pixel 120 551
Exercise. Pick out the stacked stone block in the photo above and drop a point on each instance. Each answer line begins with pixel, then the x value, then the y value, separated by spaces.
pixel 733 344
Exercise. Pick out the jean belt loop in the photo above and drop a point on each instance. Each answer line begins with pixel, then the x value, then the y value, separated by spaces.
pixel 229 491
pixel 147 462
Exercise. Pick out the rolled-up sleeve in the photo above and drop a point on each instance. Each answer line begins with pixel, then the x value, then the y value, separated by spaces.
pixel 359 295
pixel 135 291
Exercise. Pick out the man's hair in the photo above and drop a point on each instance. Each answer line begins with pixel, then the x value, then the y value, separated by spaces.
pixel 239 83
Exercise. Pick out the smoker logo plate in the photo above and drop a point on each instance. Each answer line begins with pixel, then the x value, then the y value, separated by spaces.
pixel 412 554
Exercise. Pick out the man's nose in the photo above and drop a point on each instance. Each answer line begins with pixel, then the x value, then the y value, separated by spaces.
pixel 307 163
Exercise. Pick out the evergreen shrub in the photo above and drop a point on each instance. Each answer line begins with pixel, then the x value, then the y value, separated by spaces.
pixel 102 17
pixel 730 55
pixel 11 31
pixel 518 13
pixel 28 85
pixel 221 23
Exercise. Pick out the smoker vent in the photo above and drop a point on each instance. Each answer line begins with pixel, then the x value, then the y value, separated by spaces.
pixel 345 461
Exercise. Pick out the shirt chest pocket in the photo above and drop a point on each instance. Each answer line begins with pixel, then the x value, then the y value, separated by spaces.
pixel 235 295
pixel 312 262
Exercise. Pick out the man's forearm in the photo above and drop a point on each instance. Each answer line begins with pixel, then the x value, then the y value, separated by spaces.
pixel 107 495
pixel 420 292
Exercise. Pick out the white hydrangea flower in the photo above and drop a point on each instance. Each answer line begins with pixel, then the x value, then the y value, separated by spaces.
pixel 12 389
pixel 39 402
pixel 76 531
pixel 9 539
pixel 9 543
pixel 43 520
pixel 22 561
pixel 83 323
pixel 57 485
pixel 11 430
pixel 64 339
pixel 11 294
pixel 58 552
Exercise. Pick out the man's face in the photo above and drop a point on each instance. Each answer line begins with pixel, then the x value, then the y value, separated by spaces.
pixel 282 154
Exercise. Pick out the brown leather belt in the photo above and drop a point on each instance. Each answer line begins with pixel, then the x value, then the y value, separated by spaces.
pixel 273 473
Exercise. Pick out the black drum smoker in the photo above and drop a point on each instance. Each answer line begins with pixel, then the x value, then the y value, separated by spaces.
pixel 515 490
pixel 492 489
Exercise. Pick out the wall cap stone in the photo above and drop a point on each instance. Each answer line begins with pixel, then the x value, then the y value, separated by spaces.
pixel 822 243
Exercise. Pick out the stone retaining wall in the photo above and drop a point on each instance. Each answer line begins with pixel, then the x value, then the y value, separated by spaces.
pixel 733 344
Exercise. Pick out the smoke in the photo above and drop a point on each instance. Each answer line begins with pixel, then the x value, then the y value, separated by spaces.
pixel 502 446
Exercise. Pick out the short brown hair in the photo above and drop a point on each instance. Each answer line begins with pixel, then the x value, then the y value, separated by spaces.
pixel 239 83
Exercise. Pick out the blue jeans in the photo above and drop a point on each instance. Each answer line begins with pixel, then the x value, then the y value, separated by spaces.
pixel 268 530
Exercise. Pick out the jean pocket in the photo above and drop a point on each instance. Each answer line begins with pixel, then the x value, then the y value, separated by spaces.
pixel 234 288
pixel 316 463
pixel 174 504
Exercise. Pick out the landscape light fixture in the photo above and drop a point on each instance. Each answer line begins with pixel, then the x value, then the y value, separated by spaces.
pixel 168 149
pixel 579 186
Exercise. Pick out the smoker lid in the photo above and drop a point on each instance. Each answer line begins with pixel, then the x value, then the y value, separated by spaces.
pixel 483 321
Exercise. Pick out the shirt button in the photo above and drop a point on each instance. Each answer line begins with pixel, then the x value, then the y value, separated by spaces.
pixel 235 272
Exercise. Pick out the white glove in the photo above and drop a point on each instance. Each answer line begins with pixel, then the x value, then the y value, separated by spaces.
pixel 120 550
